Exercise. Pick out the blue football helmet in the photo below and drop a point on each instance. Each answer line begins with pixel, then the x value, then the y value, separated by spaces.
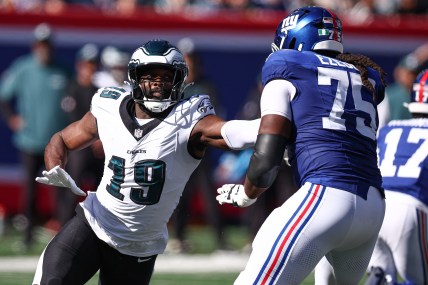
pixel 157 52
pixel 309 28
pixel 419 94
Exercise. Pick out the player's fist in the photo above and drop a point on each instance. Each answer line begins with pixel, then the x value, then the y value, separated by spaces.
pixel 234 194
pixel 59 177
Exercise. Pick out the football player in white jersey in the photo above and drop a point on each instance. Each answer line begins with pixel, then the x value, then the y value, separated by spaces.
pixel 321 104
pixel 153 140
pixel 402 246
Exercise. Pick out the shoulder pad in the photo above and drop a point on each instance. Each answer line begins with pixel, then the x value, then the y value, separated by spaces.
pixel 194 108
pixel 111 92
pixel 107 99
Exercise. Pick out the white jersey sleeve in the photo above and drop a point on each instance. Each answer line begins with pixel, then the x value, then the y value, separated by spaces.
pixel 276 98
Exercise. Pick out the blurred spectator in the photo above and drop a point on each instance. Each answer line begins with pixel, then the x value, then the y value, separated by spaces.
pixel 357 11
pixel 201 180
pixel 22 5
pixel 114 62
pixel 387 7
pixel 337 5
pixel 201 84
pixel 412 7
pixel 294 4
pixel 36 83
pixel 33 6
pixel 397 93
pixel 207 6
pixel 54 6
pixel 269 4
pixel 112 7
pixel 86 165
pixel 126 7
pixel 170 6
pixel 361 12
pixel 237 5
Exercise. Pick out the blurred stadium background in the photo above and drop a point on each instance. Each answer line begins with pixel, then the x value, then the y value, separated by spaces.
pixel 233 42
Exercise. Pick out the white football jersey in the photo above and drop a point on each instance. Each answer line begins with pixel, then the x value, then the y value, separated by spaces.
pixel 146 169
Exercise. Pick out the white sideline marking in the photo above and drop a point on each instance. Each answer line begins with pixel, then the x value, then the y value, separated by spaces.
pixel 165 263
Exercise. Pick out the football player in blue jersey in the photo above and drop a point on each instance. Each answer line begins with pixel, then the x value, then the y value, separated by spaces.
pixel 321 104
pixel 402 246
pixel 153 140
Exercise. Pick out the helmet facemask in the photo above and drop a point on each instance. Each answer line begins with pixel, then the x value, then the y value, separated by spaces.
pixel 147 89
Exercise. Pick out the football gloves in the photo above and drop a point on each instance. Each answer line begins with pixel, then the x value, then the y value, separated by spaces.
pixel 234 194
pixel 59 177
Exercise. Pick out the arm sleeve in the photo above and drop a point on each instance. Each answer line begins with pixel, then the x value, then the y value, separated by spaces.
pixel 240 134
pixel 276 98
pixel 383 112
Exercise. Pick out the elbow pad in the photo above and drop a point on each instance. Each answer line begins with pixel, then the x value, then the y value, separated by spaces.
pixel 266 159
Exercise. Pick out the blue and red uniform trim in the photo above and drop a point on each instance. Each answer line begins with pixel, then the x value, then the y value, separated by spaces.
pixel 287 238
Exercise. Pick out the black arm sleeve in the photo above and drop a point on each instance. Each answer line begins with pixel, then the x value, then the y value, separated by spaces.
pixel 266 159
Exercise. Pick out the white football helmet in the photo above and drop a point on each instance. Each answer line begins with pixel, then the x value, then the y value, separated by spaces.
pixel 161 53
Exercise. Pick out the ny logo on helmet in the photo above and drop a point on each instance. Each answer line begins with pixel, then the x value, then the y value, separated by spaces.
pixel 289 23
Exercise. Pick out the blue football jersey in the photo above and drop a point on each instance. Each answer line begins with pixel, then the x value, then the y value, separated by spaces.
pixel 334 117
pixel 403 157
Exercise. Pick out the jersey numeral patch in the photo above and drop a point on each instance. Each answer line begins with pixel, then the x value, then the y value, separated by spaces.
pixel 112 92
pixel 148 174
pixel 366 115
pixel 410 168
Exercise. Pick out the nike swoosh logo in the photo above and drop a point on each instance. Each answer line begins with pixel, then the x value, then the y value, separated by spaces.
pixel 139 260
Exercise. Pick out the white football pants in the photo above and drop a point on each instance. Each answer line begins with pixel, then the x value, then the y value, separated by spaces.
pixel 316 221
pixel 402 246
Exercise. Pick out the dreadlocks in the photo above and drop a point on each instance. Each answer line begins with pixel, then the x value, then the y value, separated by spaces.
pixel 361 62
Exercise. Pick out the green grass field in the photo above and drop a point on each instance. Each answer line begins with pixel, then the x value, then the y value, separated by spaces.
pixel 158 279
pixel 200 239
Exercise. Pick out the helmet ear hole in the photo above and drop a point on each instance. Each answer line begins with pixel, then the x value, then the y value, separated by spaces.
pixel 292 43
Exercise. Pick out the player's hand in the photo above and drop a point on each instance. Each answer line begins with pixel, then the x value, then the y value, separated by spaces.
pixel 234 194
pixel 59 177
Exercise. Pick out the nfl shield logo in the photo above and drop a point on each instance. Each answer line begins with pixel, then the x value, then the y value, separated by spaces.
pixel 138 133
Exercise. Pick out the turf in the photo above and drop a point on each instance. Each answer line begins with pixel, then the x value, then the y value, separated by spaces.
pixel 158 279
pixel 200 238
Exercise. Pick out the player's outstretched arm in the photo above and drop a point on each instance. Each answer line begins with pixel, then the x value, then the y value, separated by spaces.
pixel 268 154
pixel 75 136
pixel 214 131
